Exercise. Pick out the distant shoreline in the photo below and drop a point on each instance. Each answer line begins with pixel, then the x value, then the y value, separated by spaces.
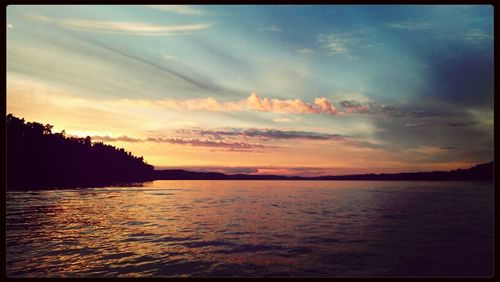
pixel 394 180
pixel 481 172
pixel 140 184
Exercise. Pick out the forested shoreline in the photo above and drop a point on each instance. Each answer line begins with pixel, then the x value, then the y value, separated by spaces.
pixel 38 158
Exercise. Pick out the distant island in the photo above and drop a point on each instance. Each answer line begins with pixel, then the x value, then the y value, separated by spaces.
pixel 40 159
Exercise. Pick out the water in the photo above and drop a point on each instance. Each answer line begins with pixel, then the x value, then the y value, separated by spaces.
pixel 253 228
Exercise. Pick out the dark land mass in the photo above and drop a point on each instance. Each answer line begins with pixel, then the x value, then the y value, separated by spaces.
pixel 36 158
pixel 481 172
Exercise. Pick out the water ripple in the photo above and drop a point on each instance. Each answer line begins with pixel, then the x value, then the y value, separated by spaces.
pixel 252 229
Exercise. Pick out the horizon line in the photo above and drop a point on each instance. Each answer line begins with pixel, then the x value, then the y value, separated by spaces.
pixel 326 175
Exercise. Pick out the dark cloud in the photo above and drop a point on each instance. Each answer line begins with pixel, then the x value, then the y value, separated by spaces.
pixel 462 134
pixel 226 145
pixel 280 134
pixel 441 124
pixel 232 146
pixel 216 134
pixel 274 134
pixel 389 110
pixel 353 106
pixel 228 138
pixel 265 134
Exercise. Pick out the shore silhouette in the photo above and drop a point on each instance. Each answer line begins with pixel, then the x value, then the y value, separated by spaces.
pixel 40 159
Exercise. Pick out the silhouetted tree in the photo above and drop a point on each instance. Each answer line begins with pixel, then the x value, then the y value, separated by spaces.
pixel 38 158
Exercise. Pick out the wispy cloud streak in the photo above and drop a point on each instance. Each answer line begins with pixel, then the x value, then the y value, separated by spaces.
pixel 230 138
pixel 264 134
pixel 218 144
pixel 282 120
pixel 200 83
pixel 179 9
pixel 441 124
pixel 409 25
pixel 346 44
pixel 275 135
pixel 353 106
pixel 116 139
pixel 132 28
pixel 335 44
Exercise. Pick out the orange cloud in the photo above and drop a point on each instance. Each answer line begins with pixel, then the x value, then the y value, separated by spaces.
pixel 321 105
pixel 253 102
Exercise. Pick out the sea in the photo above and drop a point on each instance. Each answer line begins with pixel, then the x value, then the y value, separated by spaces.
pixel 253 229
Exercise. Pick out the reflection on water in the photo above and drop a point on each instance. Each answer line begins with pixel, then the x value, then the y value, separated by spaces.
pixel 253 228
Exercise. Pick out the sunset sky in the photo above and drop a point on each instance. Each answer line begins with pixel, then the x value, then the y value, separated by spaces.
pixel 306 90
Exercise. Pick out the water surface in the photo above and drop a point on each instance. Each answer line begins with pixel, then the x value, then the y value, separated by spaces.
pixel 253 228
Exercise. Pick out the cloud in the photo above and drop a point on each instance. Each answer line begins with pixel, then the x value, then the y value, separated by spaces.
pixel 204 104
pixel 273 28
pixel 231 134
pixel 335 44
pixel 346 44
pixel 280 134
pixel 169 57
pixel 179 9
pixel 281 106
pixel 286 120
pixel 131 28
pixel 476 36
pixel 116 139
pixel 231 146
pixel 263 134
pixel 430 150
pixel 389 110
pixel 441 124
pixel 187 76
pixel 321 105
pixel 408 25
pixel 221 144
pixel 353 106
pixel 305 51
pixel 253 102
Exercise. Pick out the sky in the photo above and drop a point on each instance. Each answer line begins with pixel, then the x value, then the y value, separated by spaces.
pixel 271 89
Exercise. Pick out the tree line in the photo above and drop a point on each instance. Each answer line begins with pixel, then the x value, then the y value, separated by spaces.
pixel 38 158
